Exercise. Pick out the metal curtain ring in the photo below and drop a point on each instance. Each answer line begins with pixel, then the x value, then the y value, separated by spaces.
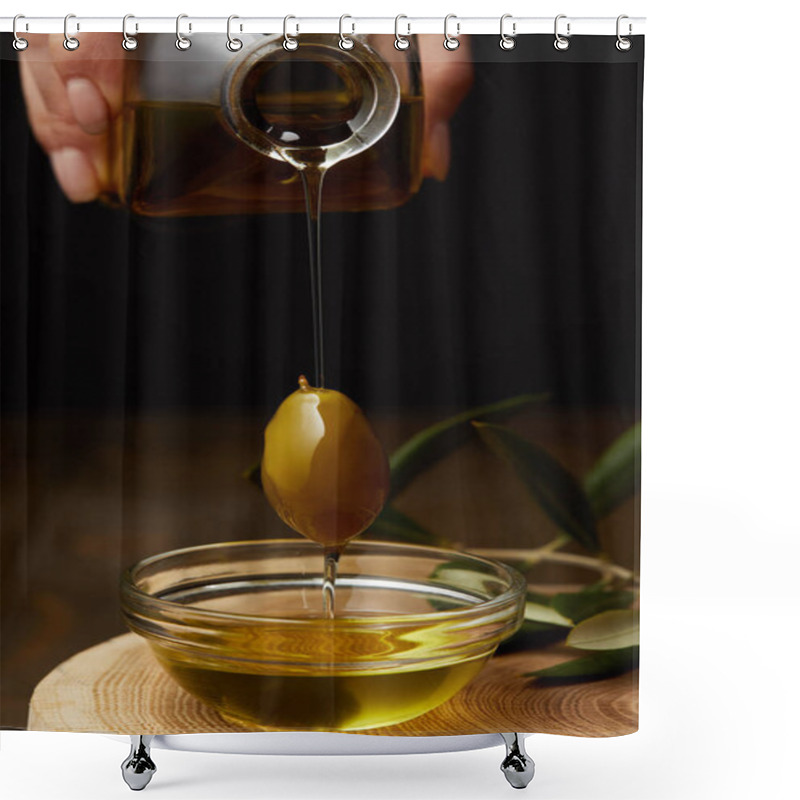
pixel 234 45
pixel 345 42
pixel 507 42
pixel 561 42
pixel 18 43
pixel 181 42
pixel 623 43
pixel 451 42
pixel 128 42
pixel 70 42
pixel 400 42
pixel 289 42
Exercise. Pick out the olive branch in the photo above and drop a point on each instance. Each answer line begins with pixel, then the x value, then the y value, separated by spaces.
pixel 599 620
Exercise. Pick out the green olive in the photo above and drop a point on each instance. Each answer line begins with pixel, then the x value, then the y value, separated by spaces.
pixel 324 470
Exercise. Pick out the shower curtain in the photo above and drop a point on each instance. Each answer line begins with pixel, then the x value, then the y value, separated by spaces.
pixel 480 302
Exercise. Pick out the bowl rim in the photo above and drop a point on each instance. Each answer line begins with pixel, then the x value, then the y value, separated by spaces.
pixel 515 591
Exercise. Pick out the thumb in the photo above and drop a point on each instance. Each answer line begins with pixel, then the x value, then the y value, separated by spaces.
pixel 447 76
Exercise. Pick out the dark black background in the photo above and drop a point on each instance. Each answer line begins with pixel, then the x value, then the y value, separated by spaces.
pixel 519 273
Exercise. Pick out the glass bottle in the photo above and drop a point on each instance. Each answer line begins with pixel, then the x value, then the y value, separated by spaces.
pixel 209 131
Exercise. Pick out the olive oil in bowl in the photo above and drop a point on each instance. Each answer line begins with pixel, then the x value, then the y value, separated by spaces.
pixel 242 627
pixel 333 682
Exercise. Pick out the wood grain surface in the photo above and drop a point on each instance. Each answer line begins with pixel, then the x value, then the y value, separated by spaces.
pixel 119 687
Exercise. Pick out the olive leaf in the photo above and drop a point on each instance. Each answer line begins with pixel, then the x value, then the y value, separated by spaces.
pixel 556 491
pixel 609 630
pixel 464 574
pixel 603 664
pixel 541 626
pixel 532 636
pixel 435 442
pixel 535 612
pixel 443 604
pixel 394 526
pixel 537 597
pixel 453 566
pixel 615 476
pixel 590 601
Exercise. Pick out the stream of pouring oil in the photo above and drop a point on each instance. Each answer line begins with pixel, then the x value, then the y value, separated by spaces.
pixel 311 122
pixel 313 176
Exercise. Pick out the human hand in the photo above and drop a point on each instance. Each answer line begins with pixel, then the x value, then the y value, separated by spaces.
pixel 446 78
pixel 72 98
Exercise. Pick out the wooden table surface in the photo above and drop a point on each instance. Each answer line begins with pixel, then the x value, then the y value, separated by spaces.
pixel 119 687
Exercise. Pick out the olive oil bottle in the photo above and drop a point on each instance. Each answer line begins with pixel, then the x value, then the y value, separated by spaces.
pixel 175 153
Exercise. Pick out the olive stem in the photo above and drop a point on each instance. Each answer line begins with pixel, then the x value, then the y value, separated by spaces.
pixel 329 580
pixel 529 558
pixel 547 553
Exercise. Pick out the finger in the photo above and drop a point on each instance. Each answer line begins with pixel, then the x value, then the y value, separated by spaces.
pixel 64 142
pixel 93 78
pixel 447 76
pixel 79 160
pixel 76 175
pixel 37 70
pixel 84 85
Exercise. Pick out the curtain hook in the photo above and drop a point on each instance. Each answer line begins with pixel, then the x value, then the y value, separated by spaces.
pixel 451 42
pixel 507 42
pixel 623 44
pixel 181 42
pixel 561 42
pixel 70 42
pixel 400 42
pixel 289 42
pixel 18 43
pixel 128 42
pixel 345 42
pixel 234 45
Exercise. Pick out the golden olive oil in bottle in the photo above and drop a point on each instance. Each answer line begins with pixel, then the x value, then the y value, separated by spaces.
pixel 179 160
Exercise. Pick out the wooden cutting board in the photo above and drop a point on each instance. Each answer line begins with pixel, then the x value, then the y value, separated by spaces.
pixel 119 687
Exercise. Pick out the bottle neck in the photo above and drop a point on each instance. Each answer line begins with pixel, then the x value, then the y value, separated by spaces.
pixel 316 105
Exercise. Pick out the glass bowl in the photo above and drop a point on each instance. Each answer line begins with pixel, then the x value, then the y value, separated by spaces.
pixel 240 625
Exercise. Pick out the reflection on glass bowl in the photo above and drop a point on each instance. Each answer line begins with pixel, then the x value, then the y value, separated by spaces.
pixel 240 625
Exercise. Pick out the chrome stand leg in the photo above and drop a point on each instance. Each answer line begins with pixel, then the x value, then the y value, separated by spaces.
pixel 517 766
pixel 138 768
